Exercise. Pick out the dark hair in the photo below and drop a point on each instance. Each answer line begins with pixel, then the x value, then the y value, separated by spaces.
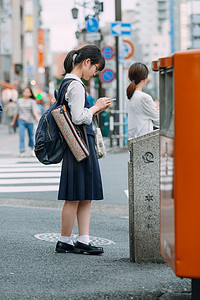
pixel 89 51
pixel 136 73
pixel 32 95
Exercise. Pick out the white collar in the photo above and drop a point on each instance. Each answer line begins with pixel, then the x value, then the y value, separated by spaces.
pixel 69 75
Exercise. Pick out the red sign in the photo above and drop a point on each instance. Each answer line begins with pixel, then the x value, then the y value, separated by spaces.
pixel 128 49
pixel 108 52
pixel 107 75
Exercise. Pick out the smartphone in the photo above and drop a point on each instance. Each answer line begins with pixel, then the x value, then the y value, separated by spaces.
pixel 113 99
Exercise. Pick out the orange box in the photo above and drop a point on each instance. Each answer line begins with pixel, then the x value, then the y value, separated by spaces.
pixel 179 77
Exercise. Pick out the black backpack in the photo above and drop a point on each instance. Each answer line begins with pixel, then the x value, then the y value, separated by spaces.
pixel 49 143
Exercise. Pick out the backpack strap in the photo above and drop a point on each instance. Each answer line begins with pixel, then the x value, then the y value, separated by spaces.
pixel 61 103
pixel 61 88
pixel 65 91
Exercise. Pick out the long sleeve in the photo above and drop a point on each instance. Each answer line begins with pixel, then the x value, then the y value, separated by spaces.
pixel 76 101
pixel 149 107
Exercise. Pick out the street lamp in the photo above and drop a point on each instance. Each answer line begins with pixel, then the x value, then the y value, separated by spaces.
pixel 98 8
pixel 74 13
pixel 77 34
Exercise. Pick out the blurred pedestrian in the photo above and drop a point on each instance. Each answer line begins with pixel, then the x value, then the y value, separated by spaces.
pixel 41 106
pixel 26 113
pixel 143 114
pixel 91 100
pixel 10 110
pixel 80 181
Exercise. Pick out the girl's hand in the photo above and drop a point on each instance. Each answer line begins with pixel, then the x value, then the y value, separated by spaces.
pixel 102 104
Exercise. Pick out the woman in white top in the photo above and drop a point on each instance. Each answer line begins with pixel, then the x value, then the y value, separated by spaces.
pixel 142 112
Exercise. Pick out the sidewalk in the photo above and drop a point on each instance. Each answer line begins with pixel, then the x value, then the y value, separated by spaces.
pixel 9 143
pixel 30 268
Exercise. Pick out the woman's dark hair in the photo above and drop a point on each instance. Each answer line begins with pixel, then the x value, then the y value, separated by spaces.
pixel 32 95
pixel 136 73
pixel 76 57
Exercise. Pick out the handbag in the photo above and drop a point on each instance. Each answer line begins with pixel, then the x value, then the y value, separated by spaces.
pixel 98 139
pixel 71 133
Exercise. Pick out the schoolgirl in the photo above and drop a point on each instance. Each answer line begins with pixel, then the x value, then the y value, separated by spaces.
pixel 80 182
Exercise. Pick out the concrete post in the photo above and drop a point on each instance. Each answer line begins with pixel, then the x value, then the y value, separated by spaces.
pixel 144 211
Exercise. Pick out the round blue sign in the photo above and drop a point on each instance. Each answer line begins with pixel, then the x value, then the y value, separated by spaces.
pixel 108 52
pixel 107 75
pixel 92 25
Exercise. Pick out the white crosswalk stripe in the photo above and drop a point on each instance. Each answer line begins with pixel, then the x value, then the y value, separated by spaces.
pixel 22 175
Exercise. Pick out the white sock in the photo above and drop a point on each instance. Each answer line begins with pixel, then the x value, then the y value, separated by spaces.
pixel 84 239
pixel 66 239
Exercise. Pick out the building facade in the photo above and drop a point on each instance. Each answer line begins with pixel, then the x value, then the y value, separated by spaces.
pixel 24 44
pixel 194 21
pixel 6 46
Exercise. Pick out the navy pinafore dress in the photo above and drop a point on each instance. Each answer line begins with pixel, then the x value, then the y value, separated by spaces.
pixel 81 181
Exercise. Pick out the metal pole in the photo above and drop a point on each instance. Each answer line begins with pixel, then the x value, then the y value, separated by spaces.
pixel 118 17
pixel 121 95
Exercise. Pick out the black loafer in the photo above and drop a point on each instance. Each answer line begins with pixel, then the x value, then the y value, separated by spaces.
pixel 81 248
pixel 64 247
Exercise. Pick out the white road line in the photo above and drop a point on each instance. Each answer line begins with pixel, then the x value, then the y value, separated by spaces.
pixel 2 170
pixel 27 165
pixel 20 189
pixel 29 180
pixel 30 175
pixel 19 160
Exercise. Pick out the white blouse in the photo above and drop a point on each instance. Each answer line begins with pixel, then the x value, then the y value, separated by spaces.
pixel 75 97
pixel 142 114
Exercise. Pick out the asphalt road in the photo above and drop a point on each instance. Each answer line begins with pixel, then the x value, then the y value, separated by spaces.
pixel 30 225
pixel 30 268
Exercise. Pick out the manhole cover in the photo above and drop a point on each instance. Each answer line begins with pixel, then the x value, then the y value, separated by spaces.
pixel 53 237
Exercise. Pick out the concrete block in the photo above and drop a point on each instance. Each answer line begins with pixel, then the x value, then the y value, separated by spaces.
pixel 144 200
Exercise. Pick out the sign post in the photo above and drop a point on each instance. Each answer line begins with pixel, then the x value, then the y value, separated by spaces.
pixel 118 17
pixel 92 25
pixel 128 49
pixel 107 76
pixel 108 52
pixel 119 29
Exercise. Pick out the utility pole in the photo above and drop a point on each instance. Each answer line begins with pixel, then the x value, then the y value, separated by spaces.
pixel 118 17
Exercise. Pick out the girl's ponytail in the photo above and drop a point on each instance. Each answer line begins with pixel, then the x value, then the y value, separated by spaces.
pixel 69 61
pixel 136 73
pixel 130 90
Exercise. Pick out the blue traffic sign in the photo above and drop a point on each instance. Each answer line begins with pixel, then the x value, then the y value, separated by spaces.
pixel 92 25
pixel 108 52
pixel 119 28
pixel 107 75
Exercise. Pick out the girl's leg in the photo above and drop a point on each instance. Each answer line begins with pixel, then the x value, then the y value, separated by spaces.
pixel 30 134
pixel 21 135
pixel 68 217
pixel 83 245
pixel 83 217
